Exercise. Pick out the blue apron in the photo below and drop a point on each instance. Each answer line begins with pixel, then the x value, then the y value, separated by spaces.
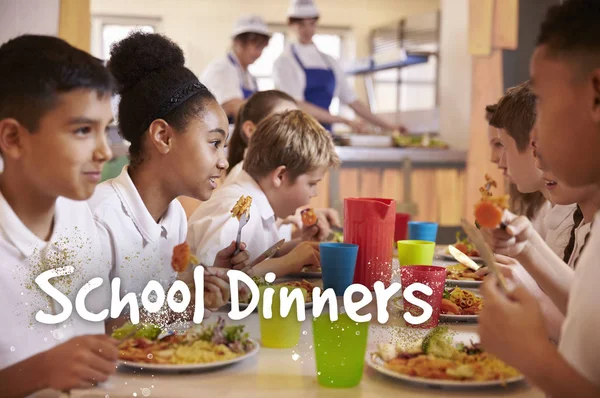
pixel 320 85
pixel 246 91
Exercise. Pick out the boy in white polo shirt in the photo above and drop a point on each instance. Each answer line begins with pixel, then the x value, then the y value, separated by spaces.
pixel 54 111
pixel 287 157
pixel 565 70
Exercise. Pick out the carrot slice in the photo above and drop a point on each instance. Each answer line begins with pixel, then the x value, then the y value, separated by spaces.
pixel 488 214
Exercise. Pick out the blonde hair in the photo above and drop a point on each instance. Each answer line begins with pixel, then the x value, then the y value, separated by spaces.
pixel 292 139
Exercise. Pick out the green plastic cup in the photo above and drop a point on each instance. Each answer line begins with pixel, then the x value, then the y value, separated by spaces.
pixel 415 252
pixel 279 332
pixel 340 348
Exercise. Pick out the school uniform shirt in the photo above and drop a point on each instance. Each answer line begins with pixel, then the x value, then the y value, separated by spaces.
pixel 581 234
pixel 558 223
pixel 23 257
pixel 212 227
pixel 139 247
pixel 579 344
pixel 538 220
pixel 290 78
pixel 227 80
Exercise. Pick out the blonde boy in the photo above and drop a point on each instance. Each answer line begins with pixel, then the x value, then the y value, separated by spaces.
pixel 288 156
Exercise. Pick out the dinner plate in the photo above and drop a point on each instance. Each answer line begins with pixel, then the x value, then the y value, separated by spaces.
pixel 463 283
pixel 305 275
pixel 448 257
pixel 190 366
pixel 376 363
pixel 443 317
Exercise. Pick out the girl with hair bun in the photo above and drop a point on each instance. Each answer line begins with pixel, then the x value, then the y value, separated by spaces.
pixel 177 132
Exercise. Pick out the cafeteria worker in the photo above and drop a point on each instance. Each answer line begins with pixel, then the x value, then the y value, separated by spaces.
pixel 228 77
pixel 314 79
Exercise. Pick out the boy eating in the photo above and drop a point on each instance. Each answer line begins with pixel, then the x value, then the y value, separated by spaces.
pixel 287 157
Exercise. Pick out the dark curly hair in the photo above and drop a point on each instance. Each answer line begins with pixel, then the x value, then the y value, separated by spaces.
pixel 34 70
pixel 154 84
pixel 573 27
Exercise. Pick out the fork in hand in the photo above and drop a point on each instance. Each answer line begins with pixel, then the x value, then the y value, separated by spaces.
pixel 243 221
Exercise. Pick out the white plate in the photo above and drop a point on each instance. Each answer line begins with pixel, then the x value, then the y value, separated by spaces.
pixel 243 306
pixel 377 364
pixel 448 257
pixel 443 317
pixel 305 275
pixel 463 283
pixel 190 367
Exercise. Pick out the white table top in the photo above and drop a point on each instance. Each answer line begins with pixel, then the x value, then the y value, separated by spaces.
pixel 289 372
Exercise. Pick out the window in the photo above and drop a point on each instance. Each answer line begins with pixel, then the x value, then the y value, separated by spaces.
pixel 107 30
pixel 329 43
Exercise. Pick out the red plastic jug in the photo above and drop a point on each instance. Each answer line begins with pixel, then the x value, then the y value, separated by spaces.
pixel 370 223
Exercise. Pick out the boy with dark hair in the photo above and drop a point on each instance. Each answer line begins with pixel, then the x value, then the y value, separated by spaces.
pixel 54 111
pixel 565 71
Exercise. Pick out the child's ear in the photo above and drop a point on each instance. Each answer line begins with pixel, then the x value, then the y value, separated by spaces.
pixel 11 141
pixel 596 88
pixel 248 129
pixel 160 134
pixel 279 176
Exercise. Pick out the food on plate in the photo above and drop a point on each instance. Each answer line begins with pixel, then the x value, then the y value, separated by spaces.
pixel 316 269
pixel 242 207
pixel 199 344
pixel 309 217
pixel 260 281
pixel 489 209
pixel 465 246
pixel 337 237
pixel 183 257
pixel 461 302
pixel 417 141
pixel 436 357
pixel 462 273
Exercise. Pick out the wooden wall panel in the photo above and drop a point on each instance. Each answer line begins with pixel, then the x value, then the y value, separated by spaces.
pixel 75 23
pixel 480 26
pixel 505 33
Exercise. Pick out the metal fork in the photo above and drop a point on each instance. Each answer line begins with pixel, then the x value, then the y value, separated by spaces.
pixel 243 221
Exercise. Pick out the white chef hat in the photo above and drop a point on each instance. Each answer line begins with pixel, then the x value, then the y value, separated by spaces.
pixel 303 9
pixel 250 24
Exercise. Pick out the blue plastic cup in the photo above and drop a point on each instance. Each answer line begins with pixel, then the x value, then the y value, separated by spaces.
pixel 418 230
pixel 338 261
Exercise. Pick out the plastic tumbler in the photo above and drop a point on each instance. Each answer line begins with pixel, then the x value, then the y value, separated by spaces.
pixel 415 252
pixel 338 261
pixel 435 278
pixel 401 228
pixel 279 332
pixel 340 348
pixel 418 230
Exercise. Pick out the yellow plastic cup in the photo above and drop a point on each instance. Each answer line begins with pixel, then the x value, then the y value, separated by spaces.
pixel 415 252
pixel 279 332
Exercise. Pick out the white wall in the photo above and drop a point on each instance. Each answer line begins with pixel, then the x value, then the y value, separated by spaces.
pixel 202 27
pixel 455 73
pixel 27 16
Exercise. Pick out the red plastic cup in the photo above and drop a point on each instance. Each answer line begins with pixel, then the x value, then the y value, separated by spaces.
pixel 432 276
pixel 401 229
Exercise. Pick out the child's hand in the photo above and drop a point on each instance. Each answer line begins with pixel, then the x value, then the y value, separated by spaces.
pixel 512 327
pixel 514 240
pixel 80 362
pixel 305 254
pixel 226 259
pixel 216 288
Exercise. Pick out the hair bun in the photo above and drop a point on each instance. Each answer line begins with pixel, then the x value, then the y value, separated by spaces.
pixel 141 54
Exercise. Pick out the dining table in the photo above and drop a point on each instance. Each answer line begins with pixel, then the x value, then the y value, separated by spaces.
pixel 291 372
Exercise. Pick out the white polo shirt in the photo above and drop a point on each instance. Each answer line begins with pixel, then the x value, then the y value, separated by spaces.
pixel 558 224
pixel 538 219
pixel 212 228
pixel 24 256
pixel 290 78
pixel 141 249
pixel 580 344
pixel 225 79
